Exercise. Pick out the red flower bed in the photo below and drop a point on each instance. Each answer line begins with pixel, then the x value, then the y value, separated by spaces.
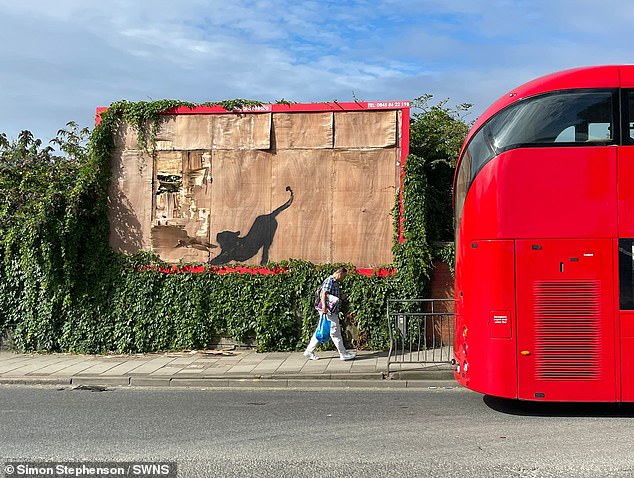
pixel 196 269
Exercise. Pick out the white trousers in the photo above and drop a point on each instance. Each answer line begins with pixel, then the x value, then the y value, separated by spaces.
pixel 335 335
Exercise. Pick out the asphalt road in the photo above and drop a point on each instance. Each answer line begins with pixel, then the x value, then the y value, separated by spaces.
pixel 340 433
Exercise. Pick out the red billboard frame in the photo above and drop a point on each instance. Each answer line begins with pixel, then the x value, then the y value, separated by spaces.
pixel 403 134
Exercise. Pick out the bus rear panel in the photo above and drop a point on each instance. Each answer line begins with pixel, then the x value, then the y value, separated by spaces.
pixel 544 211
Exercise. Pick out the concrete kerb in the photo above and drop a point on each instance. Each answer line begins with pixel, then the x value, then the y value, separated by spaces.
pixel 290 381
pixel 100 381
pixel 53 381
pixel 436 374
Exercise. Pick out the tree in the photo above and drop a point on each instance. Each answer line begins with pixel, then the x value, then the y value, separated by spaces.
pixel 40 234
pixel 436 136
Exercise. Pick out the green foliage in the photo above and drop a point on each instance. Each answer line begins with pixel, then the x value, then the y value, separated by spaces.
pixel 412 254
pixel 446 253
pixel 42 215
pixel 63 289
pixel 283 101
pixel 143 116
pixel 236 104
pixel 436 135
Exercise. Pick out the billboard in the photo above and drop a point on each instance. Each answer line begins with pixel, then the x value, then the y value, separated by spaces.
pixel 316 182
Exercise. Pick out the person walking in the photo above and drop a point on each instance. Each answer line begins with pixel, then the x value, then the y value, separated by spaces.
pixel 330 286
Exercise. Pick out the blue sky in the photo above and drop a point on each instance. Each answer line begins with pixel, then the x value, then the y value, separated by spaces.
pixel 61 59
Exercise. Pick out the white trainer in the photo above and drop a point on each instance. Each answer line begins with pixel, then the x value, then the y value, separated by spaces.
pixel 310 355
pixel 347 356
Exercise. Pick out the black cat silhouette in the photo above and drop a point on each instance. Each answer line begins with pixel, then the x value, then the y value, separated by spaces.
pixel 260 236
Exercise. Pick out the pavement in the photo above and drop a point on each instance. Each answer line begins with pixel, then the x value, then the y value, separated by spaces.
pixel 220 369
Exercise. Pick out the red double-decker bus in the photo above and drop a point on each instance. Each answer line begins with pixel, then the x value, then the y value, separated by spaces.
pixel 544 211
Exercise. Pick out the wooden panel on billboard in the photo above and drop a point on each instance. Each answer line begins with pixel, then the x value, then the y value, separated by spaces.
pixel 217 189
pixel 169 163
pixel 166 133
pixel 130 201
pixel 304 228
pixel 365 184
pixel 303 130
pixel 167 242
pixel 192 132
pixel 183 132
pixel 240 194
pixel 197 199
pixel 180 229
pixel 365 129
pixel 241 131
pixel 197 187
pixel 125 138
pixel 168 191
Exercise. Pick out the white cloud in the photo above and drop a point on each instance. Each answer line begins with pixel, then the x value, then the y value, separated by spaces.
pixel 62 59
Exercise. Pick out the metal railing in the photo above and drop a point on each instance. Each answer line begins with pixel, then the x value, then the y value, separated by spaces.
pixel 421 331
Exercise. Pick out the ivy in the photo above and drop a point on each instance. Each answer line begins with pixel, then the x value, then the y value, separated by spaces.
pixel 236 105
pixel 63 289
pixel 143 116
pixel 446 252
pixel 436 136
pixel 413 255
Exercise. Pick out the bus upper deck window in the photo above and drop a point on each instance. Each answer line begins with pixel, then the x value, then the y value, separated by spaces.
pixel 629 138
pixel 571 116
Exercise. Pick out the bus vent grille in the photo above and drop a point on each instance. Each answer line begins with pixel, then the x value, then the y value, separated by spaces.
pixel 567 330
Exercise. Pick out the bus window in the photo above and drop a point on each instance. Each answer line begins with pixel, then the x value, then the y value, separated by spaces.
pixel 629 136
pixel 540 121
pixel 566 136
pixel 563 118
pixel 598 132
pixel 626 273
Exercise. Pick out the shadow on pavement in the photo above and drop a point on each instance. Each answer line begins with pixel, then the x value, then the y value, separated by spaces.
pixel 559 409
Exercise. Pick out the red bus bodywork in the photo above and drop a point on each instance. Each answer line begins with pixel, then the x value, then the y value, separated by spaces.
pixel 544 208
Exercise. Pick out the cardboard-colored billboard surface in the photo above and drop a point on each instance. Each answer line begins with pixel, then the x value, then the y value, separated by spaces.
pixel 255 187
